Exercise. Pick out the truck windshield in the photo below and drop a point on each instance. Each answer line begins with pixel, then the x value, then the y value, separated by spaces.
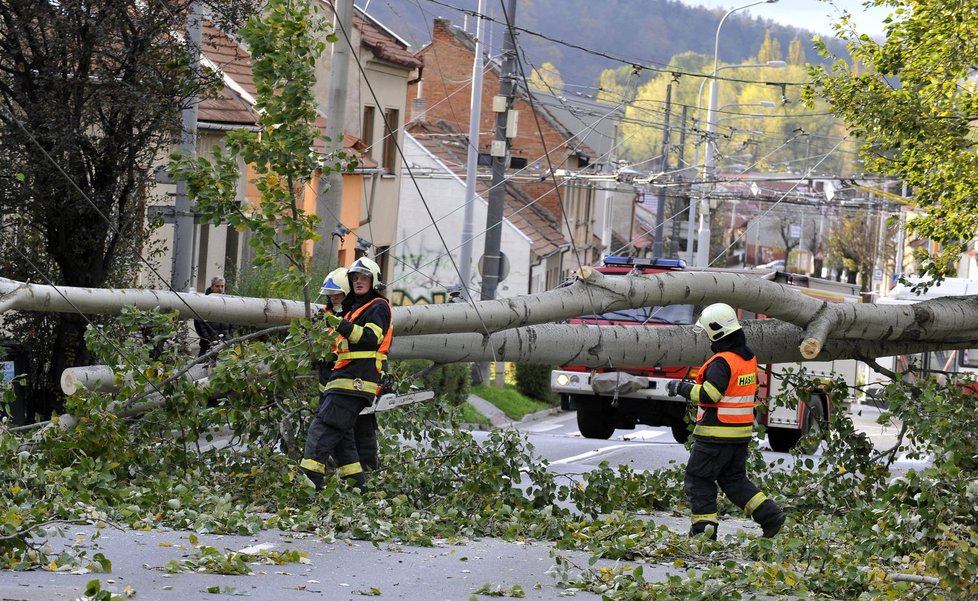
pixel 678 315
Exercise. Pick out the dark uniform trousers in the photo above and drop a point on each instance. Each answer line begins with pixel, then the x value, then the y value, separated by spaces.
pixel 332 433
pixel 724 464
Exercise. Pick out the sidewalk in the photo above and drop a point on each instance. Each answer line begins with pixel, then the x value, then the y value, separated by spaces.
pixel 499 419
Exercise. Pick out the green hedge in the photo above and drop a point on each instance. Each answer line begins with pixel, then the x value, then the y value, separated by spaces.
pixel 450 381
pixel 533 380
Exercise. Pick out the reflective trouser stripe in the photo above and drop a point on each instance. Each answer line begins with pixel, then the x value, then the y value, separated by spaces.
pixel 754 503
pixel 349 469
pixel 356 385
pixel 724 431
pixel 710 518
pixel 313 466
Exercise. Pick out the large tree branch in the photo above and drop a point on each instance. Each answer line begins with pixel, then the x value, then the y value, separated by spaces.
pixel 600 346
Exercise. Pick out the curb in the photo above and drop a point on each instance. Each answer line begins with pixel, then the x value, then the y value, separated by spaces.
pixel 498 419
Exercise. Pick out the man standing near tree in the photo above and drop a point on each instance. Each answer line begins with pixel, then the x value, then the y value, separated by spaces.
pixel 724 393
pixel 355 380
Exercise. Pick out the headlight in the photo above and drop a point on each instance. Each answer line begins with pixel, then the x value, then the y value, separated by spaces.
pixel 575 379
pixel 562 380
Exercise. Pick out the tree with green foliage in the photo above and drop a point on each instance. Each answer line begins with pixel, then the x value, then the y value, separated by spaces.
pixel 914 106
pixel 285 44
pixel 91 97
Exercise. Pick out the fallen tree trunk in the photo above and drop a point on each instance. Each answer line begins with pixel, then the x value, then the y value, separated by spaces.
pixel 488 329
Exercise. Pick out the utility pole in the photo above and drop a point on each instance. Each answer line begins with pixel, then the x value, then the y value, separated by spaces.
pixel 663 167
pixel 183 217
pixel 329 196
pixel 502 106
pixel 677 208
pixel 471 165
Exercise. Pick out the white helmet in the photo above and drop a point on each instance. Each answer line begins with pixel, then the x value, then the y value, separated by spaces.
pixel 336 282
pixel 718 320
pixel 365 265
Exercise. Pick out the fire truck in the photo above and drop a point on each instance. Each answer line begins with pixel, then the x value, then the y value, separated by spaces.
pixel 619 397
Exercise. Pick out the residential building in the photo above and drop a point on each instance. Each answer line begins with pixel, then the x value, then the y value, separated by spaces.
pixel 562 227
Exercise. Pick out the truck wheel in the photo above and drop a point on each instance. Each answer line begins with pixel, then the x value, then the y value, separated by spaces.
pixel 680 430
pixel 812 420
pixel 594 421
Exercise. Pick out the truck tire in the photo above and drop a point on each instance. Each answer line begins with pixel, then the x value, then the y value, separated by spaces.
pixel 594 420
pixel 812 420
pixel 680 430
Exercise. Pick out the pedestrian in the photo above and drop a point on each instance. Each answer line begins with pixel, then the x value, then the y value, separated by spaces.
pixel 212 332
pixel 355 380
pixel 724 392
pixel 336 287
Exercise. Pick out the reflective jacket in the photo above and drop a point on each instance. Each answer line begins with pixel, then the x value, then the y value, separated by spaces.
pixel 361 349
pixel 725 410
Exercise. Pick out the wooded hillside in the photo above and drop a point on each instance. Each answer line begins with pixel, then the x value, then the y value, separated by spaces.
pixel 645 32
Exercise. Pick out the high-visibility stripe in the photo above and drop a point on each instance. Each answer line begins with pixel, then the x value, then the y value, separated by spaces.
pixel 356 334
pixel 699 518
pixel 354 384
pixel 361 355
pixel 724 431
pixel 754 503
pixel 313 466
pixel 379 333
pixel 711 391
pixel 349 469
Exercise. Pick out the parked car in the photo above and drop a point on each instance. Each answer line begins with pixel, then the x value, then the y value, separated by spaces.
pixel 777 265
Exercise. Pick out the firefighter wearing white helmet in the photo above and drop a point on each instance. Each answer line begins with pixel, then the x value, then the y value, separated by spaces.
pixel 337 429
pixel 724 391
pixel 335 287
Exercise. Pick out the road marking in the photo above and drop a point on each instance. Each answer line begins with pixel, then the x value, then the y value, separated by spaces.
pixel 589 454
pixel 545 428
pixel 643 435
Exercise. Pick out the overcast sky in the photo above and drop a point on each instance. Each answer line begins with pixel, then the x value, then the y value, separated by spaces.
pixel 813 15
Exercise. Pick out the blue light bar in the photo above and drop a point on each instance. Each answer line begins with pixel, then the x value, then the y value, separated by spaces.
pixel 646 262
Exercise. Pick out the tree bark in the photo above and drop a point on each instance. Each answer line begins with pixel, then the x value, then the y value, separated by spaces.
pixel 521 329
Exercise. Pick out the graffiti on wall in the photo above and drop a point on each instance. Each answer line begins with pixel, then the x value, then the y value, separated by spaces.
pixel 422 274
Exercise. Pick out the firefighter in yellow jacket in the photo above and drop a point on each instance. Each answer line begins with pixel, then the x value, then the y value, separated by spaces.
pixel 724 392
pixel 354 382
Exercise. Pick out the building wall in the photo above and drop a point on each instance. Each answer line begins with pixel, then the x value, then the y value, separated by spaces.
pixel 385 91
pixel 423 268
pixel 447 92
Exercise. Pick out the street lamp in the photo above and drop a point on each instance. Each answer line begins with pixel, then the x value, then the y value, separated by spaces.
pixel 709 157
pixel 696 151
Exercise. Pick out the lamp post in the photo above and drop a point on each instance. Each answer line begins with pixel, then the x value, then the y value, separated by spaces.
pixel 709 157
pixel 696 152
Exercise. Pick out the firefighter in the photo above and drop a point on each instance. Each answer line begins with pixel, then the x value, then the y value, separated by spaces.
pixel 354 382
pixel 336 287
pixel 724 393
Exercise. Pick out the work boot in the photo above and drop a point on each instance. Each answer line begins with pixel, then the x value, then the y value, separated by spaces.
pixel 704 528
pixel 770 517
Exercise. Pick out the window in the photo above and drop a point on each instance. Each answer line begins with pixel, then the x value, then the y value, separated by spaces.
pixel 367 129
pixel 391 125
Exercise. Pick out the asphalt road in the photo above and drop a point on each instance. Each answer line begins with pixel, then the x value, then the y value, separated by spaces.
pixel 354 569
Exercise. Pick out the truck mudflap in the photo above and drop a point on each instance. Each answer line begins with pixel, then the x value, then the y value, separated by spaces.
pixel 606 384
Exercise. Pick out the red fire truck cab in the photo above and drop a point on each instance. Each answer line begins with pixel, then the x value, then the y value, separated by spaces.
pixel 616 397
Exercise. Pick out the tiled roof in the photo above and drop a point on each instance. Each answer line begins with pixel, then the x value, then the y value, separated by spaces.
pixel 234 105
pixel 535 222
pixel 384 45
pixel 231 107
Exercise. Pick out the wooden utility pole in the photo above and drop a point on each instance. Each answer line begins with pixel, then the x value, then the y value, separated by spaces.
pixel 502 106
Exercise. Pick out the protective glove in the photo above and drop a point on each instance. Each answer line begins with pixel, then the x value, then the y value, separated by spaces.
pixel 679 388
pixel 333 320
